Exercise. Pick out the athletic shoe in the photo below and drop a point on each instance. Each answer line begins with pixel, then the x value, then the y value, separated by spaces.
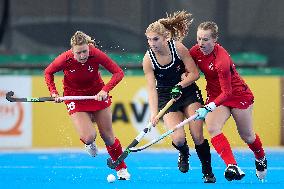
pixel 92 149
pixel 209 178
pixel 233 172
pixel 123 174
pixel 183 164
pixel 261 168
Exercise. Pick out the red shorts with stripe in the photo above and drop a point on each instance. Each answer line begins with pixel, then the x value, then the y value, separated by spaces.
pixel 240 102
pixel 86 105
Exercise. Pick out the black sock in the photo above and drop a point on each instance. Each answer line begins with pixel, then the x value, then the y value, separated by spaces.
pixel 203 152
pixel 183 149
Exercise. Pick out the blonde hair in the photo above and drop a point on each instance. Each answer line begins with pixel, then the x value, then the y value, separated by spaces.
pixel 80 38
pixel 173 26
pixel 209 26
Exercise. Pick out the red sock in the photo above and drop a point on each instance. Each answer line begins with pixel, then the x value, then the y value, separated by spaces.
pixel 115 151
pixel 223 148
pixel 256 147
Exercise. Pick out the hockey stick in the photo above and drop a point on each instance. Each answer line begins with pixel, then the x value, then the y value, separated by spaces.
pixel 9 97
pixel 154 141
pixel 113 164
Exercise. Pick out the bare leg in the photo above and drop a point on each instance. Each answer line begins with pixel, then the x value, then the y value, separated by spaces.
pixel 171 119
pixel 201 145
pixel 104 122
pixel 84 127
pixel 243 120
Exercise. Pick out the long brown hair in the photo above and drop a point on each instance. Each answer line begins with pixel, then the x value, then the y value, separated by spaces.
pixel 173 26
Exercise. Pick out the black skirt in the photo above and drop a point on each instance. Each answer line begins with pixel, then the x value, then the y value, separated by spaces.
pixel 190 94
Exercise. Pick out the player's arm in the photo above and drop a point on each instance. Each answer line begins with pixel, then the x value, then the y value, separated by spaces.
pixel 151 87
pixel 192 72
pixel 224 75
pixel 56 66
pixel 222 65
pixel 113 68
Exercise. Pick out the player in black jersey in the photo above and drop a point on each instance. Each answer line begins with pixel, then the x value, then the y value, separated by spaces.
pixel 164 64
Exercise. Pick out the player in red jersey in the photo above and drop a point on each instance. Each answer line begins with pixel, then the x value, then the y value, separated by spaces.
pixel 227 94
pixel 80 66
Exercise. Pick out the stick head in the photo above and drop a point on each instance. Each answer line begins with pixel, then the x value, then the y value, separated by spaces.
pixel 110 163
pixel 9 96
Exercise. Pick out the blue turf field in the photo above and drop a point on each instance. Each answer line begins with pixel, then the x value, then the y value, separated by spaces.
pixel 75 169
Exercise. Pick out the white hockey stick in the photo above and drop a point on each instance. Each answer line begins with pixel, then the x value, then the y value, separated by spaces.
pixel 154 141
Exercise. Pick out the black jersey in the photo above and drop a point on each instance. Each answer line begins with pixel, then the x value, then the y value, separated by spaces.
pixel 169 74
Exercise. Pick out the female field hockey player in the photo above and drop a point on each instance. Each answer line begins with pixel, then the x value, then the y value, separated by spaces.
pixel 163 64
pixel 227 94
pixel 80 66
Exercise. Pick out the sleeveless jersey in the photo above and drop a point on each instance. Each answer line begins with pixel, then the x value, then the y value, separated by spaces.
pixel 170 74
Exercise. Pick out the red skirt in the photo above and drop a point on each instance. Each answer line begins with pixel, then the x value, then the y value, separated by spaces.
pixel 240 102
pixel 86 105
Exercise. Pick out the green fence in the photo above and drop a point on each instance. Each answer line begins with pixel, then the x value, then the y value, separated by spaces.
pixel 247 63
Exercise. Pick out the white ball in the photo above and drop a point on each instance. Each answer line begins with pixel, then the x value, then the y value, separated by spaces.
pixel 111 178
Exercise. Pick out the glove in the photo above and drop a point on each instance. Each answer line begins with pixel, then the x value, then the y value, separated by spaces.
pixel 202 112
pixel 176 92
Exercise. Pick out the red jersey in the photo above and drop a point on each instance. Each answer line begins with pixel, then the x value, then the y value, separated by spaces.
pixel 83 79
pixel 80 78
pixel 224 84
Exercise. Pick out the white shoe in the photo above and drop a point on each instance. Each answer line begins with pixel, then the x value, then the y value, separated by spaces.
pixel 123 174
pixel 92 149
pixel 261 168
